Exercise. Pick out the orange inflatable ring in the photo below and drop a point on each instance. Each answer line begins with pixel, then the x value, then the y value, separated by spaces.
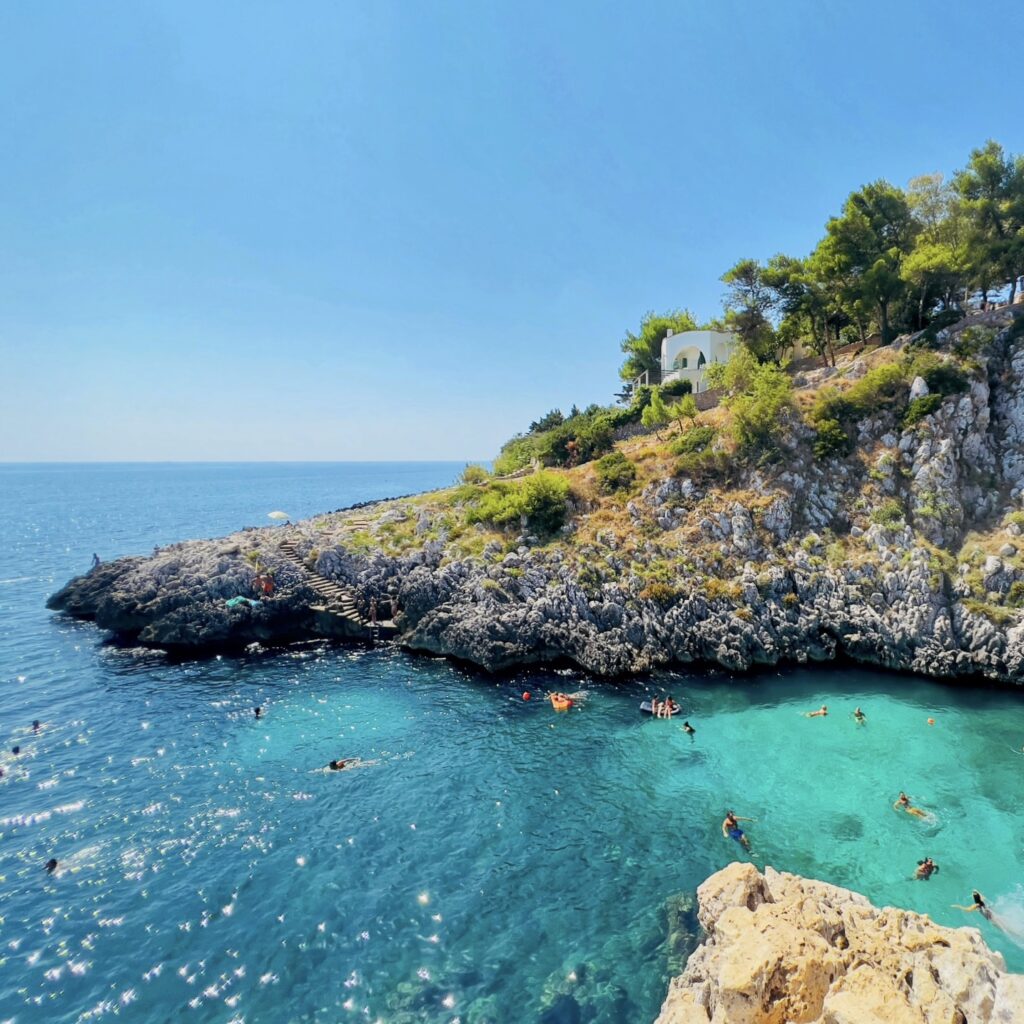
pixel 560 702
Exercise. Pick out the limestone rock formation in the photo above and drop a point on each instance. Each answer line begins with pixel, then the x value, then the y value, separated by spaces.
pixel 781 949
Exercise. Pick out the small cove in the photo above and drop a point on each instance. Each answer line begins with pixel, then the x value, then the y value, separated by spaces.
pixel 209 872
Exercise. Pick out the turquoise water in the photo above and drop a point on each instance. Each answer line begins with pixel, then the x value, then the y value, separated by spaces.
pixel 488 849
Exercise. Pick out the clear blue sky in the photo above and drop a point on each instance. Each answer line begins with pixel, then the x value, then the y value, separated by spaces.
pixel 320 230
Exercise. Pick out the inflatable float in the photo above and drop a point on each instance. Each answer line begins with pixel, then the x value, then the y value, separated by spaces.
pixel 560 702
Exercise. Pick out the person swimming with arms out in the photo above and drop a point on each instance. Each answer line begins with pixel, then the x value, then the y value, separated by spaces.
pixel 859 717
pixel 820 713
pixel 904 804
pixel 925 869
pixel 731 829
pixel 978 905
pixel 340 764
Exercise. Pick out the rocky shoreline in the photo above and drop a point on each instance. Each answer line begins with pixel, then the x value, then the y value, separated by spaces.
pixel 789 563
pixel 781 948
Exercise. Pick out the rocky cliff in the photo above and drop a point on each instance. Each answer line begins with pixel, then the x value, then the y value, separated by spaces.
pixel 902 550
pixel 780 948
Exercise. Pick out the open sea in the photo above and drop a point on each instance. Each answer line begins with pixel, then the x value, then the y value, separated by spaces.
pixel 491 860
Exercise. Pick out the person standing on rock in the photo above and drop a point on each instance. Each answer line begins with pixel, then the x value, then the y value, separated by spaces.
pixel 373 611
pixel 731 829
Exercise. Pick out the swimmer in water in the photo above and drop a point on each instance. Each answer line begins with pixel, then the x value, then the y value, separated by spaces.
pixel 341 764
pixel 820 713
pixel 859 717
pixel 35 725
pixel 925 869
pixel 15 751
pixel 258 712
pixel 904 804
pixel 731 829
pixel 688 729
pixel 978 905
pixel 51 865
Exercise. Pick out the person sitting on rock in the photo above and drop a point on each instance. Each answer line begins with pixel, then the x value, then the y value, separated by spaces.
pixel 731 829
pixel 820 713
pixel 925 869
pixel 904 804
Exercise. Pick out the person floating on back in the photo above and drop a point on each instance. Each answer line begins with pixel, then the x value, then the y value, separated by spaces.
pixel 820 713
pixel 925 869
pixel 731 829
pixel 903 804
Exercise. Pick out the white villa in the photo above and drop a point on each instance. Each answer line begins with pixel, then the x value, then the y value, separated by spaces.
pixel 684 355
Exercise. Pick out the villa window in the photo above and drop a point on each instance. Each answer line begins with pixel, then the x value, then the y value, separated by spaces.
pixel 681 363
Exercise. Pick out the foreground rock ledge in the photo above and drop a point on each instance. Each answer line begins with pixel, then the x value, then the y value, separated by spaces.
pixel 781 949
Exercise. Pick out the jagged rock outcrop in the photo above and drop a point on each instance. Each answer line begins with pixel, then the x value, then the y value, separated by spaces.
pixel 859 555
pixel 780 948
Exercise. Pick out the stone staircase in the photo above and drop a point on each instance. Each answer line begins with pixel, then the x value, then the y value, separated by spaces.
pixel 339 600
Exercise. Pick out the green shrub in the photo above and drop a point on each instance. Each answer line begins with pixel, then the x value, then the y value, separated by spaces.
pixel 889 514
pixel 615 472
pixel 663 593
pixel 758 393
pixel 921 407
pixel 539 500
pixel 694 440
pixel 702 465
pixel 831 439
pixel 474 475
pixel 516 453
pixel 878 389
pixel 943 377
pixel 674 388
pixel 1015 595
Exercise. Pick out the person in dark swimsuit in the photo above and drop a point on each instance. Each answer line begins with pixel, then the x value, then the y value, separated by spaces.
pixel 688 729
pixel 258 712
pixel 51 865
pixel 731 829
pixel 859 717
pixel 978 905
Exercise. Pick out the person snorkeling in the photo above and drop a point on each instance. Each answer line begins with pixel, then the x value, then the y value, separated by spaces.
pixel 904 804
pixel 731 829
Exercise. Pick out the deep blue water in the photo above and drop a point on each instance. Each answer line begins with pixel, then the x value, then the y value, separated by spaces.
pixel 490 854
